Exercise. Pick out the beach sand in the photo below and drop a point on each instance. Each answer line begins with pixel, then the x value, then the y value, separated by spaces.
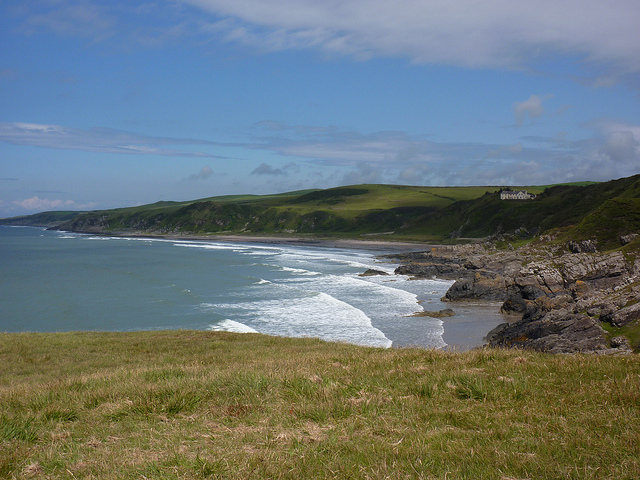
pixel 471 324
pixel 365 244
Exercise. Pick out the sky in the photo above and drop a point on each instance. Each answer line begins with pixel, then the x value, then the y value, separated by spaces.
pixel 107 104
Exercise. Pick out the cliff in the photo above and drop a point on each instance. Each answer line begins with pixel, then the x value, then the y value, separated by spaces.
pixel 563 299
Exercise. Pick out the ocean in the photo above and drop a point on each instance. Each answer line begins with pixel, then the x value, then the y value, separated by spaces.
pixel 57 281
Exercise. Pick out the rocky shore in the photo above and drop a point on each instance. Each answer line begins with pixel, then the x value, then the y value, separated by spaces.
pixel 564 300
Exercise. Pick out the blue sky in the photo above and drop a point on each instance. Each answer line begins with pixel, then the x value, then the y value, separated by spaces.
pixel 106 104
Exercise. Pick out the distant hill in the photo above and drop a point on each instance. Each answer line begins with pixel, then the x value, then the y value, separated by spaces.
pixel 604 210
pixel 45 219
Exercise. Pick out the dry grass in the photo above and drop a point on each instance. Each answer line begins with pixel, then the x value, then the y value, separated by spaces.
pixel 210 405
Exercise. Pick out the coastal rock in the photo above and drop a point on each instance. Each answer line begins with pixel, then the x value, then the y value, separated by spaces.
pixel 519 291
pixel 583 246
pixel 627 239
pixel 447 312
pixel 622 317
pixel 621 342
pixel 562 298
pixel 482 286
pixel 602 270
pixel 514 302
pixel 447 270
pixel 575 275
pixel 556 332
pixel 372 272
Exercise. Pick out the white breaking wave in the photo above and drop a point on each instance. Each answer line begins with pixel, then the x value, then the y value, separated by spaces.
pixel 292 312
pixel 231 326
pixel 318 315
pixel 213 246
pixel 299 271
pixel 319 256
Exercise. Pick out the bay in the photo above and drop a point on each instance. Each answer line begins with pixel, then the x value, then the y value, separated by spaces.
pixel 56 281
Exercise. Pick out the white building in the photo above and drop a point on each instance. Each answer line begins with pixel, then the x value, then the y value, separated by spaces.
pixel 519 195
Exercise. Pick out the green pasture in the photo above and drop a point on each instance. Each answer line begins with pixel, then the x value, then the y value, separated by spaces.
pixel 188 404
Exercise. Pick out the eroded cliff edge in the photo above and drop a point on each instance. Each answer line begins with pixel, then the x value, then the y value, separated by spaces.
pixel 563 298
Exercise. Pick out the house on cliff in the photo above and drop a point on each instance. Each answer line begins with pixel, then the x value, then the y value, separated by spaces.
pixel 513 195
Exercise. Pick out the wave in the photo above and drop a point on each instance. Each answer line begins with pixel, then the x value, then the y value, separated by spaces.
pixel 299 271
pixel 354 259
pixel 292 312
pixel 231 326
pixel 213 246
pixel 377 299
pixel 318 315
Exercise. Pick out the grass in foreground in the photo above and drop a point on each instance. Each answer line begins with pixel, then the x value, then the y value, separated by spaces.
pixel 186 404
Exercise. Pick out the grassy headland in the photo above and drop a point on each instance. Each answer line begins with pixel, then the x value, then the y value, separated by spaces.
pixel 187 404
pixel 425 214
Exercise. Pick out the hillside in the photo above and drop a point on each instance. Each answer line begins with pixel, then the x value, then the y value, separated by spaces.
pixel 398 212
pixel 187 404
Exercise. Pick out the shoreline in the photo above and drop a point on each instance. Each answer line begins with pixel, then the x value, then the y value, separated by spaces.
pixel 460 332
pixel 361 244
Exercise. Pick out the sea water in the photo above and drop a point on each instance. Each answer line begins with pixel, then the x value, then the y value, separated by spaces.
pixel 56 281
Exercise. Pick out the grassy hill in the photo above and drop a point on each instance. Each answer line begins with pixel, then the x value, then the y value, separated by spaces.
pixel 44 219
pixel 186 404
pixel 399 212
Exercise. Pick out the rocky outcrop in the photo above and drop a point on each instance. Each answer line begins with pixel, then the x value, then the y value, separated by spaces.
pixel 447 312
pixel 558 331
pixel 561 299
pixel 484 285
pixel 372 272
pixel 448 271
pixel 622 317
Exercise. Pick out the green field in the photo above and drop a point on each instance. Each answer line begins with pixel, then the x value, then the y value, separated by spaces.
pixel 409 213
pixel 185 404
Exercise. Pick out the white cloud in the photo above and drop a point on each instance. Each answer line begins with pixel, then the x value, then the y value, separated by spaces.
pixel 619 144
pixel 105 140
pixel 265 169
pixel 41 204
pixel 204 173
pixel 71 18
pixel 531 108
pixel 395 157
pixel 516 34
pixel 467 33
pixel 363 173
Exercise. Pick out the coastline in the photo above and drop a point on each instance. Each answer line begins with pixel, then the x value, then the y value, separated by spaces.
pixel 464 331
pixel 355 243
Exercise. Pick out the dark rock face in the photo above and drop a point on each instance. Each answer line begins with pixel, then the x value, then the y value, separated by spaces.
pixel 372 272
pixel 429 267
pixel 561 298
pixel 622 317
pixel 479 287
pixel 447 312
pixel 583 246
pixel 559 331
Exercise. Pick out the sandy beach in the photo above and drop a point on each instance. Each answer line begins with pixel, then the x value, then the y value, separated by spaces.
pixel 364 243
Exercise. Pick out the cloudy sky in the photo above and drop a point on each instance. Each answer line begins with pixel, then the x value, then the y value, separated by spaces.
pixel 118 103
